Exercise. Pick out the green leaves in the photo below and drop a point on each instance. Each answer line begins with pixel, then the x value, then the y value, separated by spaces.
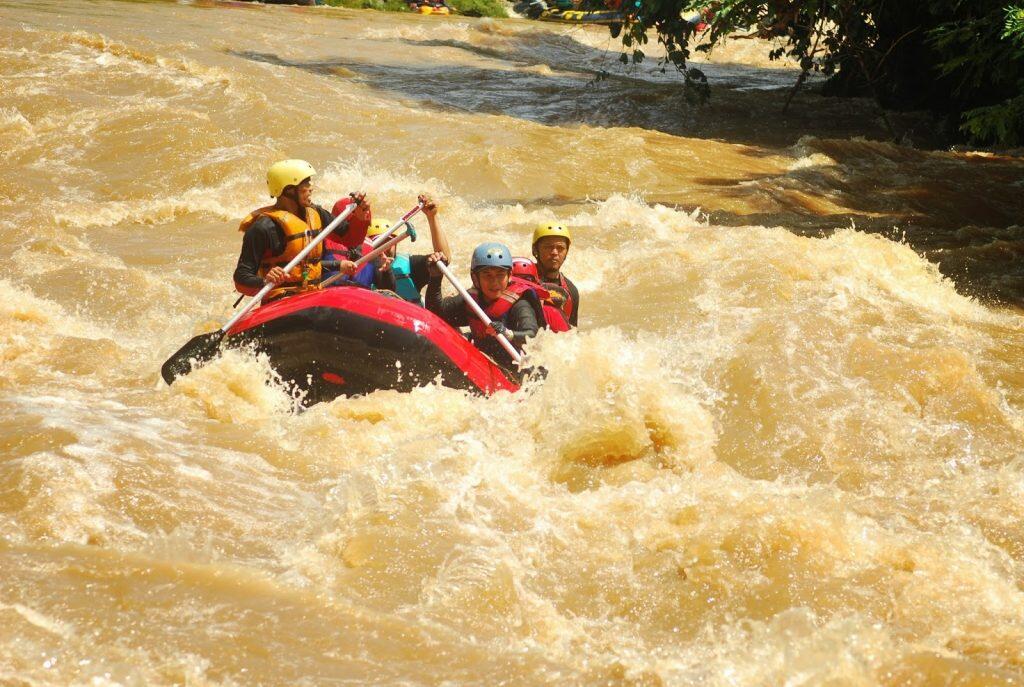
pixel 1014 29
pixel 959 56
pixel 983 57
pixel 1003 122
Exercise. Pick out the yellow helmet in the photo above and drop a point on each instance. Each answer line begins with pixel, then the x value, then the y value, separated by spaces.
pixel 287 173
pixel 551 229
pixel 376 229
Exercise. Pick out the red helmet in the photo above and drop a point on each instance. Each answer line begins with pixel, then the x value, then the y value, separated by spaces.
pixel 357 227
pixel 525 269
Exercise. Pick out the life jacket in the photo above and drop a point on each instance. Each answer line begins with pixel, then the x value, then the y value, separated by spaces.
pixel 366 275
pixel 404 285
pixel 337 250
pixel 548 316
pixel 297 234
pixel 552 297
pixel 555 318
pixel 560 296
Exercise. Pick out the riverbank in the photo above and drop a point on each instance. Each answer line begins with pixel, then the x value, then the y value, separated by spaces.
pixel 468 8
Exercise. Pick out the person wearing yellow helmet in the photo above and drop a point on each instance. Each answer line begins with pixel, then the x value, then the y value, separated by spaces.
pixel 376 229
pixel 403 274
pixel 550 247
pixel 406 274
pixel 368 277
pixel 275 234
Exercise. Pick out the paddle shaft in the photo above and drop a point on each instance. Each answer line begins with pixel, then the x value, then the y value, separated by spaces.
pixel 376 242
pixel 405 218
pixel 372 255
pixel 292 263
pixel 503 339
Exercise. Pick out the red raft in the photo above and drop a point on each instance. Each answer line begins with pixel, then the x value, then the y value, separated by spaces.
pixel 350 341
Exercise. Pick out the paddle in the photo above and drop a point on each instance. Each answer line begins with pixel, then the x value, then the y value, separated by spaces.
pixel 203 348
pixel 376 242
pixel 405 218
pixel 503 338
pixel 409 233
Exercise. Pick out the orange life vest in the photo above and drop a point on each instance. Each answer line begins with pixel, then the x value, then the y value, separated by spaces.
pixel 297 234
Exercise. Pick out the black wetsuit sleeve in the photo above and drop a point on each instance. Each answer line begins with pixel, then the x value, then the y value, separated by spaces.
pixel 263 236
pixel 574 293
pixel 385 279
pixel 522 322
pixel 418 271
pixel 452 310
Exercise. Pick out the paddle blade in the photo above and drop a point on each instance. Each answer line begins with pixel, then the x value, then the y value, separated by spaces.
pixel 200 349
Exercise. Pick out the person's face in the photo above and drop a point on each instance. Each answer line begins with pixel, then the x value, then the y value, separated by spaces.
pixel 551 252
pixel 363 213
pixel 491 281
pixel 301 195
pixel 305 192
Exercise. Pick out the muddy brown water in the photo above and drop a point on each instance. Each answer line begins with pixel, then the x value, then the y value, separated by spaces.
pixel 785 446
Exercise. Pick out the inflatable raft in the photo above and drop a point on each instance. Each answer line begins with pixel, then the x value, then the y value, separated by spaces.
pixel 351 341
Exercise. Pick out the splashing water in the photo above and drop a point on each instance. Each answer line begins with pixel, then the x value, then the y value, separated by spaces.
pixel 783 447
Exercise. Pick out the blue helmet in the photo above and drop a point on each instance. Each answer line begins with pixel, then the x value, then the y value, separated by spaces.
pixel 491 254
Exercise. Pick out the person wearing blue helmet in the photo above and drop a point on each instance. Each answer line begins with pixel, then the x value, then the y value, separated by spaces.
pixel 513 308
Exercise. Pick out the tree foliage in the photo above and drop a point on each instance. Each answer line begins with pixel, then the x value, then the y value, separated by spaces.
pixel 984 59
pixel 962 58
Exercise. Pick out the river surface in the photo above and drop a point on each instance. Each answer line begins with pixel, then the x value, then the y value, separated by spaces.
pixel 786 445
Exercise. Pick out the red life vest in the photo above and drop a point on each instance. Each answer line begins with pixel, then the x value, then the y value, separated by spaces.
pixel 561 296
pixel 552 297
pixel 548 315
pixel 335 249
pixel 555 318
